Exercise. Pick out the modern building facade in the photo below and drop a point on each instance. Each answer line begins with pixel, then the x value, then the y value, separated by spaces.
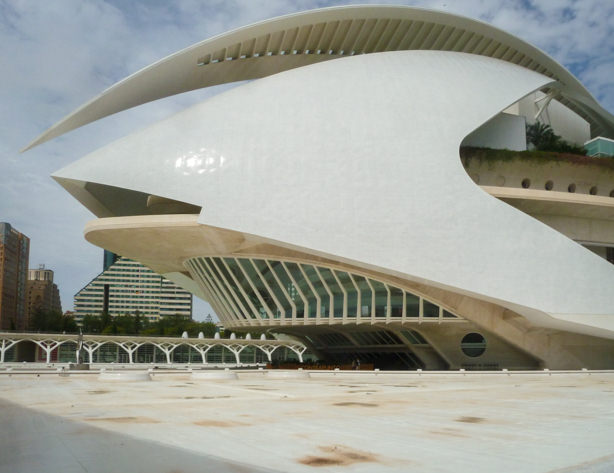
pixel 108 259
pixel 14 254
pixel 128 287
pixel 600 147
pixel 326 198
pixel 41 293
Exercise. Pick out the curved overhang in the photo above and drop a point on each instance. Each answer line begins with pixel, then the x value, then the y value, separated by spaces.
pixel 297 40
pixel 395 114
pixel 166 242
pixel 532 201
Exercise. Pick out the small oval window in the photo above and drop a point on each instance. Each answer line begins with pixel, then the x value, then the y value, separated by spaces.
pixel 526 183
pixel 593 190
pixel 571 187
pixel 549 185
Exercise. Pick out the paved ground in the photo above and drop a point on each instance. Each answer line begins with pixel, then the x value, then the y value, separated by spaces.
pixel 354 422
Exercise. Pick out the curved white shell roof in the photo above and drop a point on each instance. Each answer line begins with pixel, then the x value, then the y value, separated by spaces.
pixel 368 172
pixel 301 39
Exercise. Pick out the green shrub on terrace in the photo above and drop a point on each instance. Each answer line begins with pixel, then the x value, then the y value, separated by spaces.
pixel 536 157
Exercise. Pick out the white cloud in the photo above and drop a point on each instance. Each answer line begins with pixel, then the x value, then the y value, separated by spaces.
pixel 57 54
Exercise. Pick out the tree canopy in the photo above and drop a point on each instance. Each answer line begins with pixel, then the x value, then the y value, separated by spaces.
pixel 128 324
pixel 543 138
pixel 52 321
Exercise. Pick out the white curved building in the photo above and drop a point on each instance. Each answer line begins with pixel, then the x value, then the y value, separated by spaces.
pixel 326 198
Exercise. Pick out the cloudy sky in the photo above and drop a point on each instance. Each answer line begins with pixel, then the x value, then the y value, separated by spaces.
pixel 58 54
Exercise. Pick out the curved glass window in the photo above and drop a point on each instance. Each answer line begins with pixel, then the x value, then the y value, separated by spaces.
pixel 430 310
pixel 366 295
pixel 318 287
pixel 329 280
pixel 412 305
pixel 259 289
pixel 396 302
pixel 381 298
pixel 290 287
pixel 263 289
pixel 244 287
pixel 350 290
pixel 303 287
pixel 272 283
pixel 225 278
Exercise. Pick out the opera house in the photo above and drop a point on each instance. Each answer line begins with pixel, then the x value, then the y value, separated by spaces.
pixel 325 197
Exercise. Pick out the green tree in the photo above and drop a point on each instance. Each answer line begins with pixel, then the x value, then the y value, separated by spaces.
pixel 52 321
pixel 543 138
pixel 137 323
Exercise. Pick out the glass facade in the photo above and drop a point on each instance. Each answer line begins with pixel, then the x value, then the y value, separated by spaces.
pixel 259 291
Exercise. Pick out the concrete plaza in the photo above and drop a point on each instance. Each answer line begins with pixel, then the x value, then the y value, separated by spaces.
pixel 332 421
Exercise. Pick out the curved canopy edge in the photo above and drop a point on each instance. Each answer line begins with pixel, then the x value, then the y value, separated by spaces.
pixel 297 40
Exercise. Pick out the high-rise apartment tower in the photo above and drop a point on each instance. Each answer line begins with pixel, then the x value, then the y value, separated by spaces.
pixel 125 287
pixel 14 253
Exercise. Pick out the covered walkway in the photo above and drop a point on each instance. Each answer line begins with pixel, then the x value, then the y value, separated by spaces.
pixel 137 349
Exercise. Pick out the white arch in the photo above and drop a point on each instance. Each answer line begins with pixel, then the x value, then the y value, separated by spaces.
pixel 301 39
pixel 6 345
pixel 48 345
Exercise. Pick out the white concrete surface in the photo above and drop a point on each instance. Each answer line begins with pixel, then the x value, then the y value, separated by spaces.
pixel 334 421
pixel 503 131
pixel 386 147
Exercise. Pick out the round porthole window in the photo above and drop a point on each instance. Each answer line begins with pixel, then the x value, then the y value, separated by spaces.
pixel 526 183
pixel 549 185
pixel 571 187
pixel 473 344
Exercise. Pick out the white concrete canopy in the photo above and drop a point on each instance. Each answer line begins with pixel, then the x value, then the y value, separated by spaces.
pixel 301 39
pixel 386 159
pixel 354 163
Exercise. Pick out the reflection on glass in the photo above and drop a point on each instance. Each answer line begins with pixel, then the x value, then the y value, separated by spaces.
pixel 291 289
pixel 231 283
pixel 271 281
pixel 316 283
pixel 312 302
pixel 260 289
pixel 229 288
pixel 244 284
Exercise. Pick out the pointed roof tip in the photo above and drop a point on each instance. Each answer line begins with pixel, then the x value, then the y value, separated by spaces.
pixel 40 139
